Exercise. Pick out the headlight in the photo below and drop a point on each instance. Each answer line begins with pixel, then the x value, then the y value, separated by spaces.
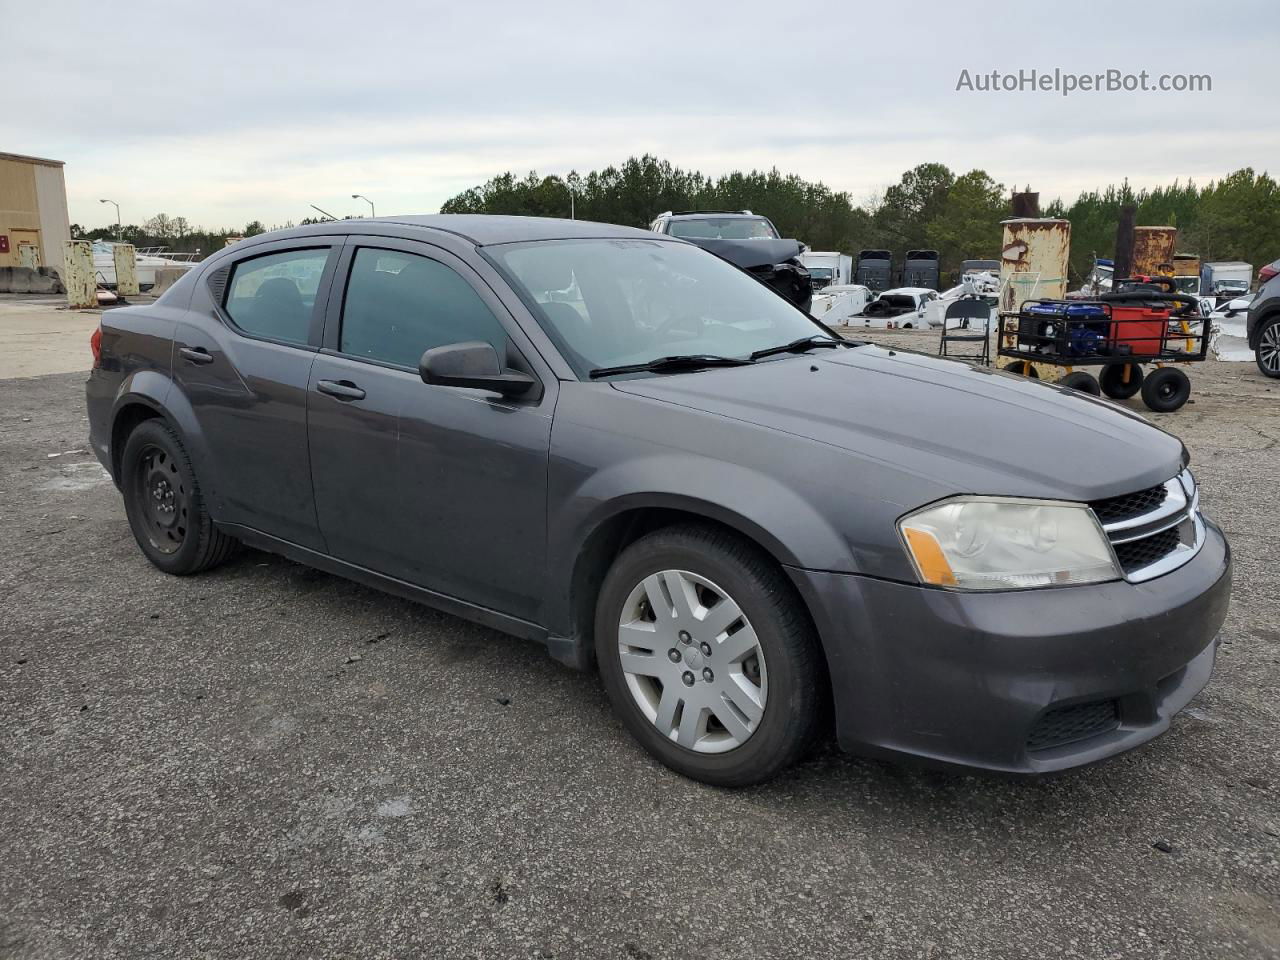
pixel 988 543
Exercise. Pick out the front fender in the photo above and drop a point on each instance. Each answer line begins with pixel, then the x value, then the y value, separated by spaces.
pixel 583 507
pixel 776 516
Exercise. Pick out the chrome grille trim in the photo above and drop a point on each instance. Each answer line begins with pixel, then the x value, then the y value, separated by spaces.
pixel 1175 504
pixel 1180 509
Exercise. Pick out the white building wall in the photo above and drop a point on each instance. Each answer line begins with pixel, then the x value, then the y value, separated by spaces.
pixel 55 221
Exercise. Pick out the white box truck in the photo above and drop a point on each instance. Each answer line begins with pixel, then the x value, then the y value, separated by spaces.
pixel 827 268
pixel 1225 279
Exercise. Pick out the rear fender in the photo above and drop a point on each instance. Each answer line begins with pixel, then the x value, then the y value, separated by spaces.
pixel 156 390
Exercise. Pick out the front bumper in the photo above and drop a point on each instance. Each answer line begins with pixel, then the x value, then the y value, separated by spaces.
pixel 975 680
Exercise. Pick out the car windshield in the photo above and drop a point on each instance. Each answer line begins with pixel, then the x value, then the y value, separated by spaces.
pixel 609 303
pixel 724 228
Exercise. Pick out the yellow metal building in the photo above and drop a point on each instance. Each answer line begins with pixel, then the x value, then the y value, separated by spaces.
pixel 33 212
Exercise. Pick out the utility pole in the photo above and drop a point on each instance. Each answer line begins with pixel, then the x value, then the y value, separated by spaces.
pixel 119 233
pixel 1124 243
pixel 1026 205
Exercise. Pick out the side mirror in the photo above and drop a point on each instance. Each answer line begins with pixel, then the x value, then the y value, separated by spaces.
pixel 474 364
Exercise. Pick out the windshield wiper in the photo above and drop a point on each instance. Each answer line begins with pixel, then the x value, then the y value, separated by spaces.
pixel 691 362
pixel 800 346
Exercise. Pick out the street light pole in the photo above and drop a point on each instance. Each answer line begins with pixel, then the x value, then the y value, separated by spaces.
pixel 361 196
pixel 119 233
pixel 572 213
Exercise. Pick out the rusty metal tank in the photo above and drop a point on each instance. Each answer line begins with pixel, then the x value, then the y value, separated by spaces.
pixel 1153 249
pixel 1033 260
pixel 125 259
pixel 78 275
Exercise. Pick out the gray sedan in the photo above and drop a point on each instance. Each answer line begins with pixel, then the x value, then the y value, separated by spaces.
pixel 619 445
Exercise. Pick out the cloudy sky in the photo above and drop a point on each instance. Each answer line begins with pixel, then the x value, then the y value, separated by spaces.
pixel 224 112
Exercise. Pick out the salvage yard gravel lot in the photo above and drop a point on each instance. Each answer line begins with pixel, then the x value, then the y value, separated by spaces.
pixel 267 761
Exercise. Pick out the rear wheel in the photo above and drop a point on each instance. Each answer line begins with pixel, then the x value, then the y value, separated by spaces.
pixel 1023 368
pixel 1166 389
pixel 1268 354
pixel 1113 382
pixel 1084 382
pixel 708 656
pixel 164 505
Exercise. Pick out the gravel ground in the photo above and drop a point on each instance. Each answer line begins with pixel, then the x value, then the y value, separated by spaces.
pixel 267 761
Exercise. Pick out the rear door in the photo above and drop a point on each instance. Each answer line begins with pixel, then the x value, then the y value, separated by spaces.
pixel 442 487
pixel 244 368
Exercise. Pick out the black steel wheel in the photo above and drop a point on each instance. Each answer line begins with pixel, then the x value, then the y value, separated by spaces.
pixel 162 499
pixel 1166 389
pixel 1023 368
pixel 1113 382
pixel 164 505
pixel 1084 382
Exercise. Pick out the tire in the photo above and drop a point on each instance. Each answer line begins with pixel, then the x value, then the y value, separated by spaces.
pixel 1113 382
pixel 1022 368
pixel 164 504
pixel 1166 389
pixel 1084 382
pixel 777 706
pixel 1268 352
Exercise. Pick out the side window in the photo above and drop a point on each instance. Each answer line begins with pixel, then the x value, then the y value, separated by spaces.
pixel 273 296
pixel 399 305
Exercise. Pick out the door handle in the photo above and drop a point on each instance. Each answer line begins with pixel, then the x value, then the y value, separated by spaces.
pixel 196 355
pixel 342 389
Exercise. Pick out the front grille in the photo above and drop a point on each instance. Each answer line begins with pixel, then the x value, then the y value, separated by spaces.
pixel 1063 725
pixel 1142 553
pixel 1130 505
pixel 1153 531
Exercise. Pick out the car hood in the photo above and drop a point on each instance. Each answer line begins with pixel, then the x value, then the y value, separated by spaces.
pixel 966 429
pixel 749 254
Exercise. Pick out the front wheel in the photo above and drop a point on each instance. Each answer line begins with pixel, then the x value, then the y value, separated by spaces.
pixel 1120 381
pixel 1268 354
pixel 1023 368
pixel 1084 382
pixel 163 502
pixel 708 655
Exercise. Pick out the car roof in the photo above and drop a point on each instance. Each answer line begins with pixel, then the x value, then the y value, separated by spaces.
pixel 718 214
pixel 483 229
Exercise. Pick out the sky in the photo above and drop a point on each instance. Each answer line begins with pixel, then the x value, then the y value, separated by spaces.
pixel 226 112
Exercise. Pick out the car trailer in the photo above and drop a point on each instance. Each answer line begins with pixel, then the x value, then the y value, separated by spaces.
pixel 1145 323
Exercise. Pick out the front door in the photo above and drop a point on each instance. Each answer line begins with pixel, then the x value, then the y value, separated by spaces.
pixel 442 487
pixel 244 369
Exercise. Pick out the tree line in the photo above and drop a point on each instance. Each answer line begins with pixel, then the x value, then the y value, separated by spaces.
pixel 175 234
pixel 930 207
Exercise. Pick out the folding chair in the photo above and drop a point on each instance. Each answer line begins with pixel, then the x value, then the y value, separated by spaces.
pixel 966 310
